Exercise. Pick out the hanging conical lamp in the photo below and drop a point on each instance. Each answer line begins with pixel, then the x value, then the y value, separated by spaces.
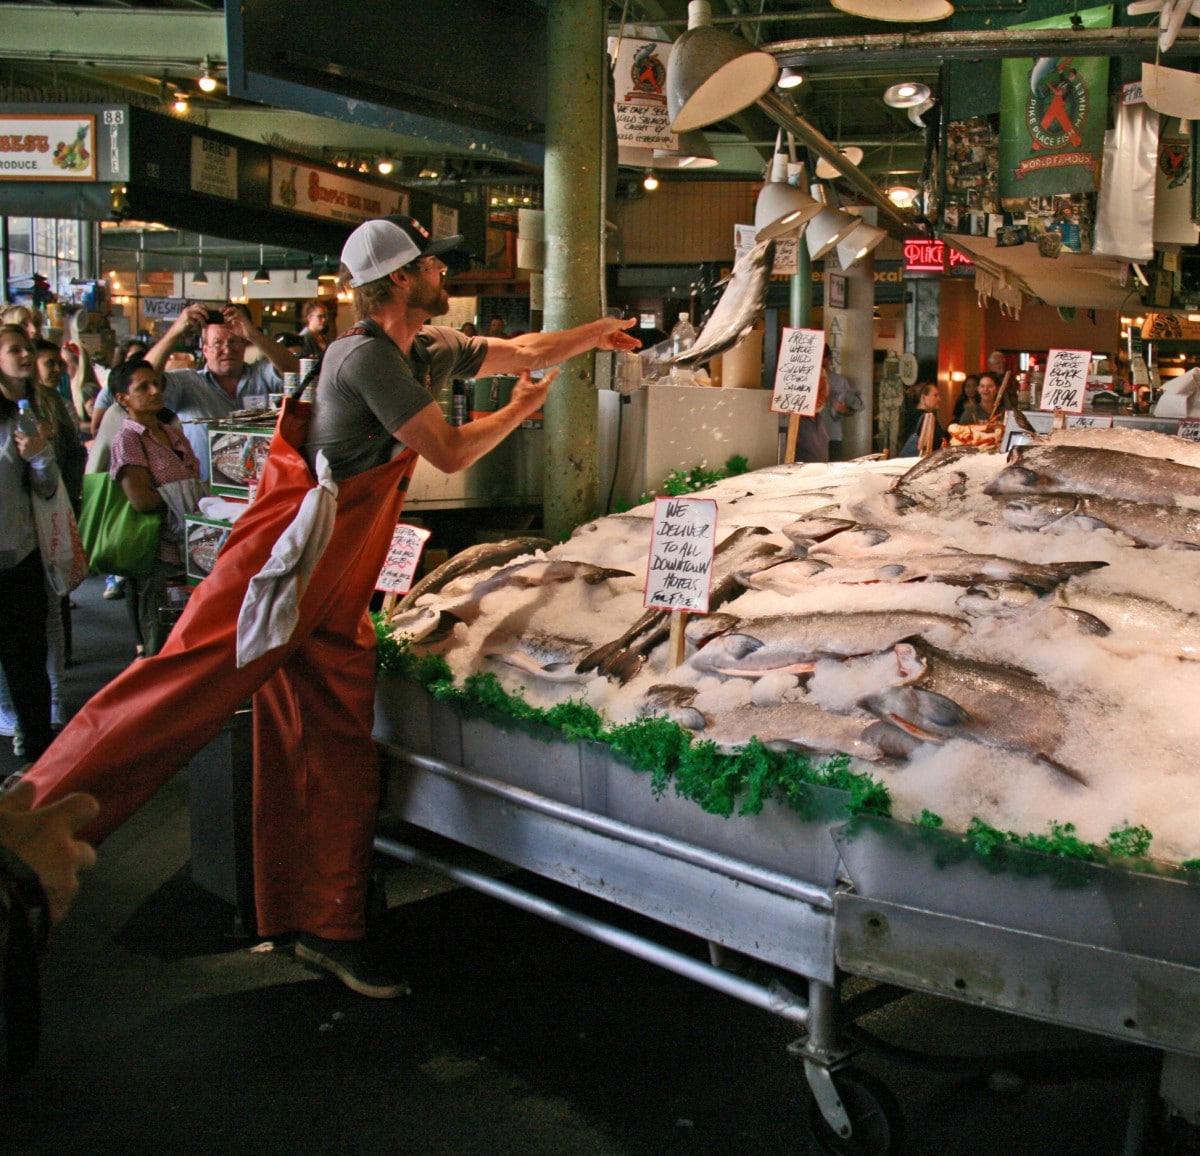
pixel 897 11
pixel 200 277
pixel 827 228
pixel 692 152
pixel 858 243
pixel 782 209
pixel 261 274
pixel 713 74
pixel 826 169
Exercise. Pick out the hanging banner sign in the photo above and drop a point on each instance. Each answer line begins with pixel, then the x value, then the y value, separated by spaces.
pixel 1065 382
pixel 1052 116
pixel 214 168
pixel 679 573
pixel 163 308
pixel 400 566
pixel 798 372
pixel 639 99
pixel 48 148
pixel 300 188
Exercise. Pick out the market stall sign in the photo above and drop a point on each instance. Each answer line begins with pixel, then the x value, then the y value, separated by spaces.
pixel 1065 381
pixel 639 100
pixel 300 188
pixel 798 372
pixel 163 308
pixel 48 148
pixel 679 573
pixel 214 168
pixel 400 566
pixel 927 256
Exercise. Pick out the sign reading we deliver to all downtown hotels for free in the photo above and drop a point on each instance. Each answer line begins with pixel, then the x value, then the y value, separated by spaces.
pixel 58 147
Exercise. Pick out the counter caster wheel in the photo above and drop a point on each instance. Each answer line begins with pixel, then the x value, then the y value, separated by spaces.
pixel 876 1124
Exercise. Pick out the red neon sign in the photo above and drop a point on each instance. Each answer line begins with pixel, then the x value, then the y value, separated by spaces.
pixel 926 256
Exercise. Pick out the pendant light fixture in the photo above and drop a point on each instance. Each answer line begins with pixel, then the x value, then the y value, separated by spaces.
pixel 858 243
pixel 206 82
pixel 827 228
pixel 201 278
pixel 827 172
pixel 906 94
pixel 262 274
pixel 897 11
pixel 713 74
pixel 692 152
pixel 782 209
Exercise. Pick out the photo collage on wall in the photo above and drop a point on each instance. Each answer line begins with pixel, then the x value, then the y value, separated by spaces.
pixel 973 205
pixel 972 170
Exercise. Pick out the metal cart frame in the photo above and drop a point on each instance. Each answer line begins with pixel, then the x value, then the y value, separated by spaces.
pixel 803 902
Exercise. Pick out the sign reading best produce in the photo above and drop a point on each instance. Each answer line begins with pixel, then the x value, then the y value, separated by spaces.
pixel 48 148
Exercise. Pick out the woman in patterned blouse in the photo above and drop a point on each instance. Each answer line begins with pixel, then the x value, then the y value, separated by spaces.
pixel 149 451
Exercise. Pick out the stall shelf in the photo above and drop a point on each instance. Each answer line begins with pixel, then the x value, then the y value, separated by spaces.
pixel 787 903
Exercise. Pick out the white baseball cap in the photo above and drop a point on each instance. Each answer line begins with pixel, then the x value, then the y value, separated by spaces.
pixel 385 244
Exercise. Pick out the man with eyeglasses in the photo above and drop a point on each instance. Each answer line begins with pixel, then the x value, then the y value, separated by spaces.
pixel 225 382
pixel 311 667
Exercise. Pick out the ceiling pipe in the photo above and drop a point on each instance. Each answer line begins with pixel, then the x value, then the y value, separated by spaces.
pixel 889 48
pixel 783 116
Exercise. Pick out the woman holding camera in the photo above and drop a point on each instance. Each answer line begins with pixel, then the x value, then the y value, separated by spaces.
pixel 149 452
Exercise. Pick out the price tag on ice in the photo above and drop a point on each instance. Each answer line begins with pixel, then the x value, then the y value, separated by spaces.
pixel 679 574
pixel 1065 380
pixel 404 553
pixel 798 373
pixel 1090 421
pixel 1189 431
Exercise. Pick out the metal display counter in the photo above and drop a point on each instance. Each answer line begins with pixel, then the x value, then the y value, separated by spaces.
pixel 802 899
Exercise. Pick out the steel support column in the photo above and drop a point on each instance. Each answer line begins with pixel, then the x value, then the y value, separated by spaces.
pixel 574 280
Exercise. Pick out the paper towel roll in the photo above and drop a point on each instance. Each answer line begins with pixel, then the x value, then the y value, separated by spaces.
pixel 742 366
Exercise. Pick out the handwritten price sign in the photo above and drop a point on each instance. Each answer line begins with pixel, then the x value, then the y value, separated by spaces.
pixel 1189 431
pixel 798 374
pixel 404 553
pixel 681 554
pixel 1065 382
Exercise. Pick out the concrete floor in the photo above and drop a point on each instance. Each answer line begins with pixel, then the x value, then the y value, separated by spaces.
pixel 164 1032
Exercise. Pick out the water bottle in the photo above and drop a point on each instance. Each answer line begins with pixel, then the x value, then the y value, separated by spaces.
pixel 458 403
pixel 27 421
pixel 683 337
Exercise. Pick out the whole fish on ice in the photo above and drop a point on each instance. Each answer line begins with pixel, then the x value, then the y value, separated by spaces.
pixel 794 643
pixel 955 568
pixel 940 696
pixel 481 557
pixel 1064 469
pixel 1145 523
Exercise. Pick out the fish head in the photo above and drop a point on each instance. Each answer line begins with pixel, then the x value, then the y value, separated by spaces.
pixel 1035 513
pixel 997 599
pixel 911 662
pixel 923 715
pixel 725 652
pixel 1015 479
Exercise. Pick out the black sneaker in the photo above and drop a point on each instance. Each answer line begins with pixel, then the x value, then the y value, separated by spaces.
pixel 351 961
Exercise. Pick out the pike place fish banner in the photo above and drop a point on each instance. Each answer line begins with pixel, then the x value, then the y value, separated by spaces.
pixel 1052 117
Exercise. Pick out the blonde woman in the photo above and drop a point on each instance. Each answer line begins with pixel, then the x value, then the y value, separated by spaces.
pixel 27 466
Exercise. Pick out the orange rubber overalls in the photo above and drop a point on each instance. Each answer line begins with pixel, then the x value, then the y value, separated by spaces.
pixel 316 771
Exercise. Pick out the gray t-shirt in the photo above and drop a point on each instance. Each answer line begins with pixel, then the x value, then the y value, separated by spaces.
pixel 368 389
